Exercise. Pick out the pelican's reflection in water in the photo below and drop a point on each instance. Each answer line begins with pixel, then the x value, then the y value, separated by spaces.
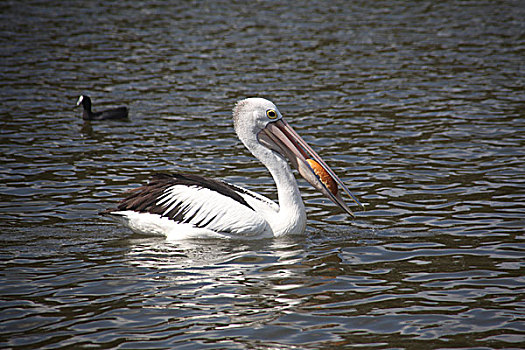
pixel 241 275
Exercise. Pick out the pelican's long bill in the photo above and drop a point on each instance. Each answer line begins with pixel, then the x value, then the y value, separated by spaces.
pixel 280 137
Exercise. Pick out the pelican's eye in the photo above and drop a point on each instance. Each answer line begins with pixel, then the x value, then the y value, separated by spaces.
pixel 272 114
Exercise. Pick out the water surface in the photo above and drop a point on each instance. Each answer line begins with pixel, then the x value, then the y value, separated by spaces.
pixel 419 107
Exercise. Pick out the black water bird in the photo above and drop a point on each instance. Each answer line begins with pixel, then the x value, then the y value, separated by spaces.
pixel 88 114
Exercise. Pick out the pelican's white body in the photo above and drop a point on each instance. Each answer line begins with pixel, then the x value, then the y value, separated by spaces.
pixel 231 219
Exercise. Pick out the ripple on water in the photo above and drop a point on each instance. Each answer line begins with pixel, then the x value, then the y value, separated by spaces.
pixel 417 106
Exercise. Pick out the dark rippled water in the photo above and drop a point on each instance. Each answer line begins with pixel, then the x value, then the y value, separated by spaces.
pixel 419 106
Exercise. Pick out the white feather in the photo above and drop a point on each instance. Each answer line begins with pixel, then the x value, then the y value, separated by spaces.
pixel 219 213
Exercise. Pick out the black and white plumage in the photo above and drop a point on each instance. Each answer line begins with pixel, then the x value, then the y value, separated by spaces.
pixel 88 114
pixel 188 206
pixel 183 206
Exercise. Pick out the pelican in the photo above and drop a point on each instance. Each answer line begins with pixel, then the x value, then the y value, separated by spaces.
pixel 182 206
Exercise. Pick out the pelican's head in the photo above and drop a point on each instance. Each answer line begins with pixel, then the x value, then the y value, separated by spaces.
pixel 252 115
pixel 259 123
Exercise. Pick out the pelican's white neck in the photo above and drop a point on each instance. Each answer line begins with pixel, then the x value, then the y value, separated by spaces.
pixel 291 218
pixel 250 117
